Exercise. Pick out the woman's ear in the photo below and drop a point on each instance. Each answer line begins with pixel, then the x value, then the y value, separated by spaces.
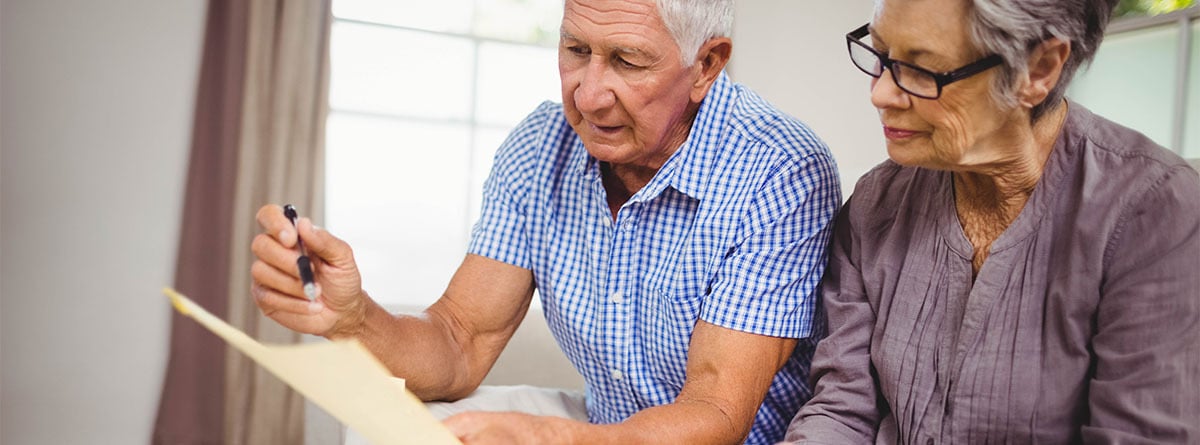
pixel 1045 68
pixel 710 60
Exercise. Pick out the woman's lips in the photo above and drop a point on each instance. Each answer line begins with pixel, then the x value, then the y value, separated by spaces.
pixel 893 133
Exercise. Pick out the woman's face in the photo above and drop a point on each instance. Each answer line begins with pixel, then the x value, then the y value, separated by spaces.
pixel 949 133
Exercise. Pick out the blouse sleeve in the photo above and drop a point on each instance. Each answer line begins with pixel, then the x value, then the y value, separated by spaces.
pixel 1146 383
pixel 843 408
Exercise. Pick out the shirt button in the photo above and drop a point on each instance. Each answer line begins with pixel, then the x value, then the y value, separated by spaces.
pixel 616 297
pixel 617 374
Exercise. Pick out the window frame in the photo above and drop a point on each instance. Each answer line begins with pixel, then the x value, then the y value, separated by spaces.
pixel 1183 19
pixel 480 130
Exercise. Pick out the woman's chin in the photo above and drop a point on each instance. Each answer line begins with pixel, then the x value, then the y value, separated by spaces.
pixel 905 155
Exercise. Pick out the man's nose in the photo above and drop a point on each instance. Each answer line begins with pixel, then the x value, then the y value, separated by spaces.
pixel 595 92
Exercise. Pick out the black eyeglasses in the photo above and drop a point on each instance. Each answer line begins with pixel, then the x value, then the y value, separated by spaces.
pixel 912 79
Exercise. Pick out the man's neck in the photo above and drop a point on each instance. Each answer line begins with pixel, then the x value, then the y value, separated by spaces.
pixel 621 182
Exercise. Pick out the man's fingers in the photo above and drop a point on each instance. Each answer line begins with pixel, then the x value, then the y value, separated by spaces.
pixel 270 218
pixel 462 425
pixel 275 304
pixel 303 323
pixel 273 278
pixel 268 249
pixel 321 243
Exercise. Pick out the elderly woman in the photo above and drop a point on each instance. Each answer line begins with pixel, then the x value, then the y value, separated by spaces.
pixel 1021 270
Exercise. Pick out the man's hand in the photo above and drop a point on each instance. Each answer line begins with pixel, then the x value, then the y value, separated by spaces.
pixel 488 428
pixel 340 306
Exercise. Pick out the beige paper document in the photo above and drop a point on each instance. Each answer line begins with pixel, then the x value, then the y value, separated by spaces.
pixel 341 377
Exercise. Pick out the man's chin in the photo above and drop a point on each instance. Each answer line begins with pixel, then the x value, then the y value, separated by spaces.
pixel 603 151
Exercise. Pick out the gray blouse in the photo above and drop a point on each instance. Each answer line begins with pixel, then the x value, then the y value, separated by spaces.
pixel 1083 325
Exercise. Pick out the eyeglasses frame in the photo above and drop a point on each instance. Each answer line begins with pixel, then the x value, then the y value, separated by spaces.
pixel 940 79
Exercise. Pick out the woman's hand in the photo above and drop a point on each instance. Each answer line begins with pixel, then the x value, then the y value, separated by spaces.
pixel 340 305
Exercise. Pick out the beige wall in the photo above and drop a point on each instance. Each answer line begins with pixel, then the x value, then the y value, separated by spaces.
pixel 793 53
pixel 96 105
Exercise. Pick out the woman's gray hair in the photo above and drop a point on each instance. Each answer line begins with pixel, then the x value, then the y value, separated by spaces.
pixel 693 22
pixel 1014 28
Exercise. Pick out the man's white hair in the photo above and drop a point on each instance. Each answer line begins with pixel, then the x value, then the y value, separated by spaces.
pixel 693 22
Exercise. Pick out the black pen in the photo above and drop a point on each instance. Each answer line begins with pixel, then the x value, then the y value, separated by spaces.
pixel 303 263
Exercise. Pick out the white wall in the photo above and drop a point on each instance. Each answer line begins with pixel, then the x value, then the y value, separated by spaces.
pixel 94 126
pixel 96 112
pixel 793 53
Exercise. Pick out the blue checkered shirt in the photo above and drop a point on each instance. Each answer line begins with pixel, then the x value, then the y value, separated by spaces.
pixel 731 230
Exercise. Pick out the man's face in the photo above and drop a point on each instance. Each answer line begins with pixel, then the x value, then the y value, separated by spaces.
pixel 624 88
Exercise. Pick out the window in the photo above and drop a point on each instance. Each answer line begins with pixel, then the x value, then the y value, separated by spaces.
pixel 1147 8
pixel 1146 74
pixel 421 95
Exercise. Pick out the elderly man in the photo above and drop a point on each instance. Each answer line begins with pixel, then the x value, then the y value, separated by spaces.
pixel 673 222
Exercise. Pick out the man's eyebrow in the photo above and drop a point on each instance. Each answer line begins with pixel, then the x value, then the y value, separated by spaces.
pixel 624 50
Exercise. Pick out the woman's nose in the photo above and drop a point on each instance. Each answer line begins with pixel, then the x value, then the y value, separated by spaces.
pixel 886 94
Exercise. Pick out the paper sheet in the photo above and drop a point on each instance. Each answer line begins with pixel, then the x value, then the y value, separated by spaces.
pixel 342 377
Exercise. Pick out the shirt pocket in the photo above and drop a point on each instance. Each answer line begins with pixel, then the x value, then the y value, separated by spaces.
pixel 673 297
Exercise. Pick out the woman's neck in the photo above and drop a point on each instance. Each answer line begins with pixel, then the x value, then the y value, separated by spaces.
pixel 989 198
pixel 1003 186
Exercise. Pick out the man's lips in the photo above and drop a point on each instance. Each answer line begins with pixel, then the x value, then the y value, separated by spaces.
pixel 605 127
pixel 606 130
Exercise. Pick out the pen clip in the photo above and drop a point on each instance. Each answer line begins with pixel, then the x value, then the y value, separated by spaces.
pixel 290 212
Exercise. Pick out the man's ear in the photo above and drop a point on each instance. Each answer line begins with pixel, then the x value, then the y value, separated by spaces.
pixel 710 60
pixel 1045 68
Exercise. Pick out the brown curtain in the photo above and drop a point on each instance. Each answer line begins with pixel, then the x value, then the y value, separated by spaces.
pixel 258 137
pixel 281 160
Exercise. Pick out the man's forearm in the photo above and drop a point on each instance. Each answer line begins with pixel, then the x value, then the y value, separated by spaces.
pixel 418 348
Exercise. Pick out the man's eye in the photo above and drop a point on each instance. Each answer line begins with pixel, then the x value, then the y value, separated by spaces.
pixel 579 50
pixel 626 64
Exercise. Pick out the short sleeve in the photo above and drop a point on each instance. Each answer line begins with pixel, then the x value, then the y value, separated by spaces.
pixel 501 233
pixel 767 284
pixel 843 408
